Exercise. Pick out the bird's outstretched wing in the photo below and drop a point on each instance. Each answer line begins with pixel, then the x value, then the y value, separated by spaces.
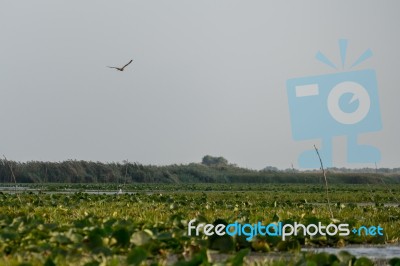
pixel 127 64
pixel 113 67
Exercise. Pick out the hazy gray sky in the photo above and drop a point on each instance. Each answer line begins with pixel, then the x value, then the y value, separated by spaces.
pixel 208 77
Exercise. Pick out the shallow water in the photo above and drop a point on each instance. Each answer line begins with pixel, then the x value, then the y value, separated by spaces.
pixel 383 252
pixel 12 190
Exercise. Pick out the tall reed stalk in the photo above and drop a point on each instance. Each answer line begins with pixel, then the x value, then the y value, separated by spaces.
pixel 326 181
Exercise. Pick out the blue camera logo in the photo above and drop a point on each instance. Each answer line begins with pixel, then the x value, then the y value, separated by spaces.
pixel 339 104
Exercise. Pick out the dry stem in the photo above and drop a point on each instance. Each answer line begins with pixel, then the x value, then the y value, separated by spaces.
pixel 326 181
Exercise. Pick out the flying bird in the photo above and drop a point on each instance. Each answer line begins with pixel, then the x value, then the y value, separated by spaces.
pixel 121 68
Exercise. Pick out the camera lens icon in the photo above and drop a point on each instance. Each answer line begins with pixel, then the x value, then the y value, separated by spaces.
pixel 359 97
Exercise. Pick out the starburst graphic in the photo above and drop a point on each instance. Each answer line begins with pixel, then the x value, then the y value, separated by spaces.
pixel 343 52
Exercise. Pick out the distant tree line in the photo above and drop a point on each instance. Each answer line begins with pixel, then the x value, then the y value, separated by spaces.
pixel 210 170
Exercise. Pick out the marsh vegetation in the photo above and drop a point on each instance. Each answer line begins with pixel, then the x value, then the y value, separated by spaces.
pixel 62 224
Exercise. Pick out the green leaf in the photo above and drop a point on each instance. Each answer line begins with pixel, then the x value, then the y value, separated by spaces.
pixel 289 245
pixel 136 256
pixel 363 261
pixel 92 263
pixel 394 262
pixel 49 262
pixel 222 243
pixel 60 239
pixel 345 257
pixel 122 236
pixel 94 240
